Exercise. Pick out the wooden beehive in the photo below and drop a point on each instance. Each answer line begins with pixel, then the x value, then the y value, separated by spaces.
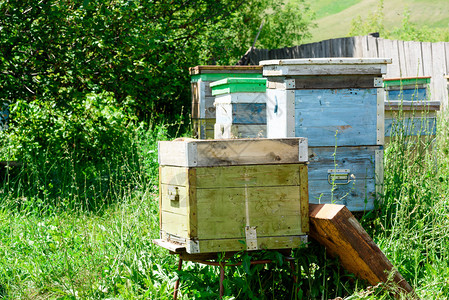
pixel 240 105
pixel 408 108
pixel 235 194
pixel 203 109
pixel 338 104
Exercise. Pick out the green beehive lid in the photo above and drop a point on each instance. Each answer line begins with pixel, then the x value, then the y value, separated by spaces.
pixel 238 85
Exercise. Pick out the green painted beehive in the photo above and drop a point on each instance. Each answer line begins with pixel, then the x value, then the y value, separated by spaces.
pixel 233 195
pixel 203 109
pixel 240 105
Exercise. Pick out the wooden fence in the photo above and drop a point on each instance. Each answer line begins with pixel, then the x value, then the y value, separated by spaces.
pixel 410 59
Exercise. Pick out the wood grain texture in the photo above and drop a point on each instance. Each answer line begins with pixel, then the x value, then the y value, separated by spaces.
pixel 224 69
pixel 349 113
pixel 323 82
pixel 398 105
pixel 336 228
pixel 214 204
pixel 359 193
pixel 232 152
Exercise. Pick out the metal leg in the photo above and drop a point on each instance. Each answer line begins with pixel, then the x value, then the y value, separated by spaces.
pixel 222 266
pixel 175 293
pixel 295 278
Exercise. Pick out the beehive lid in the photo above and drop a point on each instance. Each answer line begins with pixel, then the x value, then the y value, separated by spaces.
pixel 214 73
pixel 228 152
pixel 406 81
pixel 238 85
pixel 325 66
pixel 224 69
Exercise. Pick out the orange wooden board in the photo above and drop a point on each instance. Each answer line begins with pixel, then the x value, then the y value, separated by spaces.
pixel 338 230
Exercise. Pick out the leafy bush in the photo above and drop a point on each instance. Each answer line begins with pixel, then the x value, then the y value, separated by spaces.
pixel 86 144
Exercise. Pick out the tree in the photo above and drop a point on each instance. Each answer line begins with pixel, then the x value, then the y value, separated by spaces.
pixel 138 50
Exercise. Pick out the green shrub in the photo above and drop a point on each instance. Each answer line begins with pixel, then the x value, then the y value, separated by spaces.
pixel 74 153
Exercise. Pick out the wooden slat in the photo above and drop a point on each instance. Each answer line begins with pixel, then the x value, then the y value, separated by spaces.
pixel 241 176
pixel 413 59
pixel 426 48
pixel 438 81
pixel 404 72
pixel 301 70
pixel 223 69
pixel 232 152
pixel 275 242
pixel 169 246
pixel 324 82
pixel 192 209
pixel 412 105
pixel 337 229
pixel 175 224
pixel 304 197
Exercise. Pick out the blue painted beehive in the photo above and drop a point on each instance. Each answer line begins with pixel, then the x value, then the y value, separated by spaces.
pixel 338 104
pixel 409 110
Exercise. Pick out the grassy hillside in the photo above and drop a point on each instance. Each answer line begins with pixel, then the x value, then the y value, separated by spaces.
pixel 333 18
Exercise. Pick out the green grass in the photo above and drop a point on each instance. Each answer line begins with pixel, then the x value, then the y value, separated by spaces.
pixel 333 18
pixel 49 251
pixel 325 8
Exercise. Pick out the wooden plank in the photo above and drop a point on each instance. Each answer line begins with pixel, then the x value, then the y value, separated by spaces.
pixel 275 242
pixel 324 70
pixel 192 209
pixel 438 81
pixel 241 113
pixel 224 212
pixel 169 245
pixel 233 152
pixel 324 82
pixel 404 72
pixel 247 176
pixel 358 46
pixel 427 106
pixel 238 131
pixel 223 69
pixel 380 126
pixel 304 197
pixel 175 224
pixel 320 114
pixel 426 52
pixel 357 190
pixel 413 58
pixel 371 47
pixel 327 61
pixel 390 49
pixel 446 51
pixel 335 227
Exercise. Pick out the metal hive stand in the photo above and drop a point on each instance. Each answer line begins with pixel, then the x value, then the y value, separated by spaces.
pixel 211 259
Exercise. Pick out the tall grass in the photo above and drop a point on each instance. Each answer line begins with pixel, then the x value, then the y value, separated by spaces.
pixel 55 243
